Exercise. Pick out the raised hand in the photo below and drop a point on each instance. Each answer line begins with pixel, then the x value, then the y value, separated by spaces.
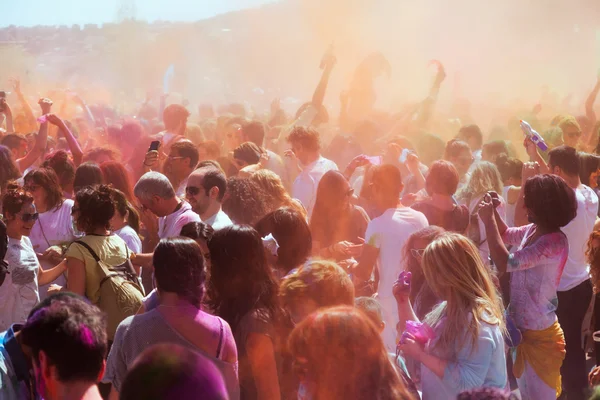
pixel 485 209
pixel 401 288
pixel 54 120
pixel 529 170
pixel 45 105
pixel 16 84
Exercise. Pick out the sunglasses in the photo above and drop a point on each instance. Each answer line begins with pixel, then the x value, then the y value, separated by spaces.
pixel 417 253
pixel 192 190
pixel 29 217
pixel 574 134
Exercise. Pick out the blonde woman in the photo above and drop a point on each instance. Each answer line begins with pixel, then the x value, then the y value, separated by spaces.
pixel 272 185
pixel 484 178
pixel 467 350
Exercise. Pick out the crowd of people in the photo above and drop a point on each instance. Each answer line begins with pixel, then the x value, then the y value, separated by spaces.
pixel 307 257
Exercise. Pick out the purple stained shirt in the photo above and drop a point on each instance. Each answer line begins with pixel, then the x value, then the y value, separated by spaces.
pixel 535 273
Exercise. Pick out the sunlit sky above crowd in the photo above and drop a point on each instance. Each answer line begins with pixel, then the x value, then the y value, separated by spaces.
pixel 69 12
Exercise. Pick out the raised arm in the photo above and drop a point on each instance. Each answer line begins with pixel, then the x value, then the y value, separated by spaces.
pixel 24 103
pixel 72 142
pixel 86 110
pixel 529 169
pixel 319 95
pixel 498 252
pixel 588 135
pixel 40 141
pixel 428 105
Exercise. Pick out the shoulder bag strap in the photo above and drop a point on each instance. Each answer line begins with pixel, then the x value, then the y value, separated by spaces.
pixel 89 249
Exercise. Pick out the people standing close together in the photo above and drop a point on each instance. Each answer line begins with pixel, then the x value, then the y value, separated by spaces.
pixel 261 271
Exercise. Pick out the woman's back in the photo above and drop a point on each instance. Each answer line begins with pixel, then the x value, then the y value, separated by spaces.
pixel 111 249
pixel 481 366
pixel 207 335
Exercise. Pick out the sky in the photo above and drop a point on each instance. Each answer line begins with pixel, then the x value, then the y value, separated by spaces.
pixel 69 12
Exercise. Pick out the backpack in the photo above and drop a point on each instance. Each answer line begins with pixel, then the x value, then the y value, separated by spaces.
pixel 120 293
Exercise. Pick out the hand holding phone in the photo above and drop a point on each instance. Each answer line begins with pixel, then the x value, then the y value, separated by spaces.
pixel 401 288
pixel 151 158
pixel 154 145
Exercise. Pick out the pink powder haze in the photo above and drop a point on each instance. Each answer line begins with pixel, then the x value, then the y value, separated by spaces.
pixel 501 56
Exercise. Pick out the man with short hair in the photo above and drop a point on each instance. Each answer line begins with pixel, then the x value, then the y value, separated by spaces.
pixel 571 131
pixel 180 163
pixel 385 237
pixel 474 138
pixel 157 198
pixel 310 166
pixel 17 144
pixel 67 342
pixel 575 287
pixel 254 132
pixel 175 117
pixel 205 190
pixel 16 350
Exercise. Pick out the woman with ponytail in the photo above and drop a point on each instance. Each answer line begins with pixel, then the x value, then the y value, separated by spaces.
pixel 126 221
pixel 180 273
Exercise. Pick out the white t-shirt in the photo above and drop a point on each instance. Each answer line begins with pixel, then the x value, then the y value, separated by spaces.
pixel 19 292
pixel 276 165
pixel 578 231
pixel 389 232
pixel 305 185
pixel 53 228
pixel 171 225
pixel 219 220
pixel 131 238
pixel 180 192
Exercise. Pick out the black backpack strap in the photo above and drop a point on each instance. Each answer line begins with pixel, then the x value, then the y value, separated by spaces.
pixel 92 252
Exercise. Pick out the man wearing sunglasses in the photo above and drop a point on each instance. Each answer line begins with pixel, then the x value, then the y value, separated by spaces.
pixel 157 199
pixel 205 190
pixel 571 131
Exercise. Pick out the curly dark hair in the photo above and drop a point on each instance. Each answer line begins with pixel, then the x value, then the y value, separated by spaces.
pixel 550 202
pixel 14 199
pixel 307 137
pixel 241 281
pixel 244 201
pixel 293 235
pixel 62 165
pixel 179 268
pixel 96 207
pixel 72 334
pixel 47 179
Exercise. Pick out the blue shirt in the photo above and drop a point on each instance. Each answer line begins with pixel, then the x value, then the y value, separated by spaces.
pixel 15 379
pixel 483 367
